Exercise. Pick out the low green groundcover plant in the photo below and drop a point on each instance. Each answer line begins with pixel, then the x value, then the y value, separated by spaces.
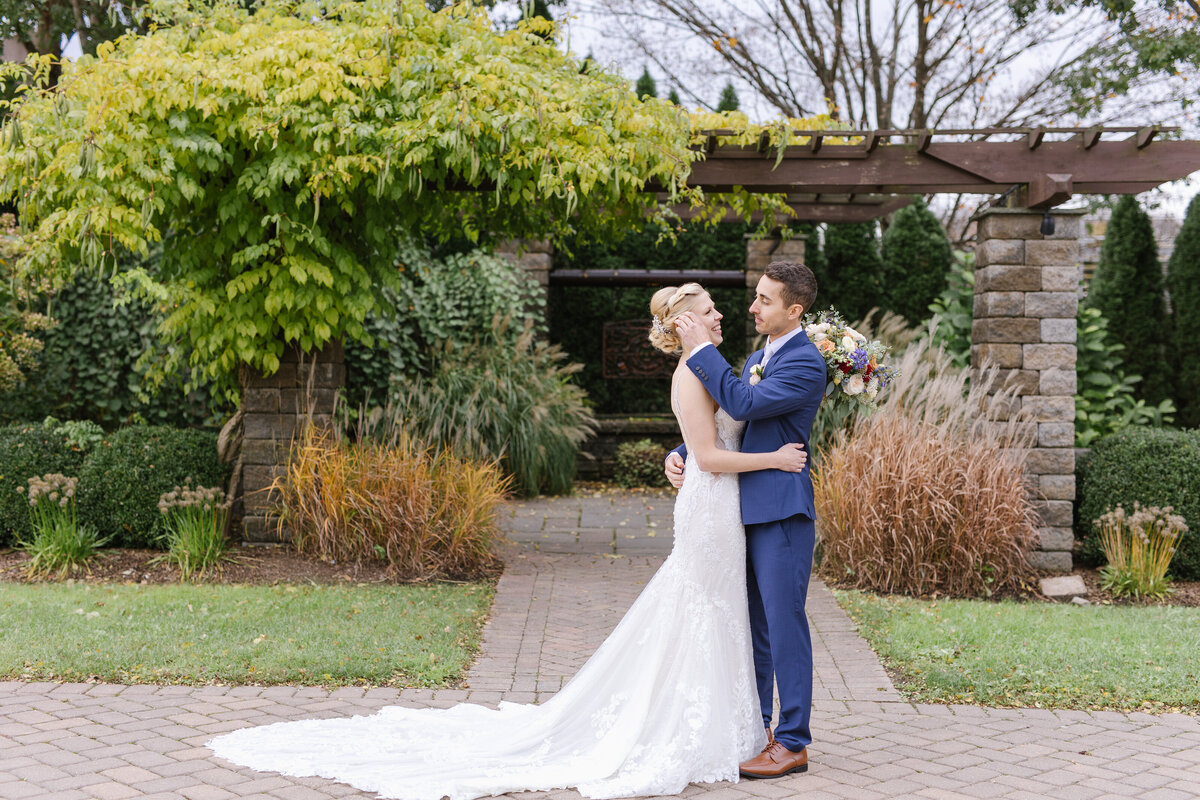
pixel 367 635
pixel 1033 654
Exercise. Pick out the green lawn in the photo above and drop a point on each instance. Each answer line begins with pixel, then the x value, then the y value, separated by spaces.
pixel 310 634
pixel 1035 654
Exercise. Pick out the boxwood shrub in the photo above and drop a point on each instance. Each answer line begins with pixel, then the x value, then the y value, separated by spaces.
pixel 1153 466
pixel 123 477
pixel 26 450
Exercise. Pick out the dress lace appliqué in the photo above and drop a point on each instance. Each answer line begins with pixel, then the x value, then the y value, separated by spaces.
pixel 667 700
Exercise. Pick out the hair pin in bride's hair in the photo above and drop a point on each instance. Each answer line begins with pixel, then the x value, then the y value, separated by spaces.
pixel 656 324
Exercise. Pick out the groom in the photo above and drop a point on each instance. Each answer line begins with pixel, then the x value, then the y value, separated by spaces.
pixel 779 404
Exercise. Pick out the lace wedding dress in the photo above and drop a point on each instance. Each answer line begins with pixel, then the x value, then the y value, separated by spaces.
pixel 667 700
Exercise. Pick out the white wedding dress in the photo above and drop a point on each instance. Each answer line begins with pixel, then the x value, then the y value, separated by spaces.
pixel 667 700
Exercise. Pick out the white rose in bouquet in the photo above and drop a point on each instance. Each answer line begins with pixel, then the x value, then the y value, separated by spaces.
pixel 853 385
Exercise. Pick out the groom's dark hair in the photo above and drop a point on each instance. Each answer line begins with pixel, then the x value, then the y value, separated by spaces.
pixel 799 283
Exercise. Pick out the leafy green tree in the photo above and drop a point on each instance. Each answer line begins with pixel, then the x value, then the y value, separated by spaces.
pixel 916 261
pixel 1160 38
pixel 729 99
pixel 645 86
pixel 1128 290
pixel 282 156
pixel 41 26
pixel 1183 281
pixel 22 329
pixel 854 270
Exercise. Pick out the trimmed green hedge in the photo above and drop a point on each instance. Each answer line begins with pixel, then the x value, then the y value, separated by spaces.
pixel 1153 466
pixel 27 450
pixel 120 479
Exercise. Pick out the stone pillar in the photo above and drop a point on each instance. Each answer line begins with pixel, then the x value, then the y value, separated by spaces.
pixel 760 253
pixel 535 256
pixel 1025 310
pixel 275 408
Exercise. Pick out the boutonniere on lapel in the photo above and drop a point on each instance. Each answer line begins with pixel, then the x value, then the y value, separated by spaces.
pixel 756 373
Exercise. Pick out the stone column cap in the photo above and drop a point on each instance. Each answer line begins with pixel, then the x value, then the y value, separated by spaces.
pixel 992 210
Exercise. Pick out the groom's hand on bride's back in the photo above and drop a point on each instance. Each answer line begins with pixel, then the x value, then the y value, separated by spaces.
pixel 673 469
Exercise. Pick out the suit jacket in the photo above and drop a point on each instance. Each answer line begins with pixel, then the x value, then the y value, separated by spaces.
pixel 777 410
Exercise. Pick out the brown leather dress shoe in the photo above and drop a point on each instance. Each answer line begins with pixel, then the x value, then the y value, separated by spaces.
pixel 775 760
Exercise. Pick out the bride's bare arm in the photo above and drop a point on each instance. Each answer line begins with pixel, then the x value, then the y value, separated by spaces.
pixel 696 409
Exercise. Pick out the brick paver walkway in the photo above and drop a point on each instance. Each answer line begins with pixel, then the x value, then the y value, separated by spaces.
pixel 576 565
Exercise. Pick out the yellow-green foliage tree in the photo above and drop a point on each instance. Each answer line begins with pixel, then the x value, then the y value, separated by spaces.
pixel 280 155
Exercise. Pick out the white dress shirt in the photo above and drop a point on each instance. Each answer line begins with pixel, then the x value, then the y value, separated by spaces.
pixel 773 345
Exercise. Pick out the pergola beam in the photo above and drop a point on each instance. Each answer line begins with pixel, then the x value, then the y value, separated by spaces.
pixel 816 208
pixel 970 167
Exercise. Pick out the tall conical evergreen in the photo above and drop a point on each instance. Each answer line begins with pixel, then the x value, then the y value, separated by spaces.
pixel 916 260
pixel 645 85
pixel 674 97
pixel 1128 290
pixel 729 99
pixel 854 269
pixel 1183 282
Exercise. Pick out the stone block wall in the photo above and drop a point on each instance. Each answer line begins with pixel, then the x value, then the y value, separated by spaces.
pixel 760 253
pixel 1026 300
pixel 275 408
pixel 535 256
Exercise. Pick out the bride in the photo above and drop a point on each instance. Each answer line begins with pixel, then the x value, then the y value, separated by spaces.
pixel 667 700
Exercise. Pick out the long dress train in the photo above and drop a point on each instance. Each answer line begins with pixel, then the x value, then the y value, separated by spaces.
pixel 668 699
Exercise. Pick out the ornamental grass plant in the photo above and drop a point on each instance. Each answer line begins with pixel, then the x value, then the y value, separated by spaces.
pixel 428 513
pixel 1139 548
pixel 926 495
pixel 59 544
pixel 196 536
pixel 496 399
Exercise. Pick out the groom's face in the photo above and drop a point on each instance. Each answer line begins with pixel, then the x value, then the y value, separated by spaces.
pixel 772 316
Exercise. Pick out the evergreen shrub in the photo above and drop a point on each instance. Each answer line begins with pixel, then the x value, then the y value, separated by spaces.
pixel 122 479
pixel 1154 467
pixel 28 450
pixel 853 279
pixel 916 261
pixel 1128 290
pixel 1183 281
pixel 640 463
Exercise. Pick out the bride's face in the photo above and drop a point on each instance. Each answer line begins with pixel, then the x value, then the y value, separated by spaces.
pixel 709 318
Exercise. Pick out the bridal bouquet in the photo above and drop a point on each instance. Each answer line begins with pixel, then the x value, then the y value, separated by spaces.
pixel 854 364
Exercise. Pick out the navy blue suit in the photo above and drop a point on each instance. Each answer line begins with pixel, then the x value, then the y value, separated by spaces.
pixel 777 510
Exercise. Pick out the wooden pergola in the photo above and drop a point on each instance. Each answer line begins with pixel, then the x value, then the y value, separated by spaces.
pixel 856 176
pixel 866 174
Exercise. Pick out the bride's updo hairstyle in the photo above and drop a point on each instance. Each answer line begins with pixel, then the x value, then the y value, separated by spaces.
pixel 667 304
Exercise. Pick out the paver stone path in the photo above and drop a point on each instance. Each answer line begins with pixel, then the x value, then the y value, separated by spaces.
pixel 574 566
